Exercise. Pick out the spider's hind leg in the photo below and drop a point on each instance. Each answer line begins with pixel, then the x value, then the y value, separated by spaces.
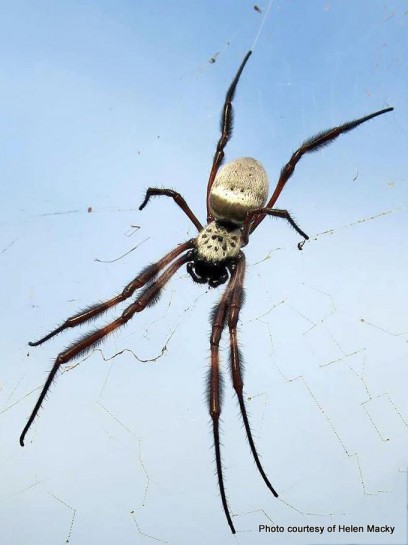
pixel 226 131
pixel 312 144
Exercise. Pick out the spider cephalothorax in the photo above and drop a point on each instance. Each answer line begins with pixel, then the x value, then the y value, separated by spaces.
pixel 236 198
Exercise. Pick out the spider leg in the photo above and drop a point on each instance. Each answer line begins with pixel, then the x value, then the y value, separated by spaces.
pixel 178 199
pixel 312 144
pixel 226 131
pixel 141 279
pixel 235 304
pixel 148 297
pixel 214 383
pixel 277 212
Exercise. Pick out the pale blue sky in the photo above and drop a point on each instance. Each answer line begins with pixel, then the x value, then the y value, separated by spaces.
pixel 99 100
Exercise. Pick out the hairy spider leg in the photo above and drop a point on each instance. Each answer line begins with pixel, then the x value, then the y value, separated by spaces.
pixel 148 297
pixel 228 309
pixel 227 119
pixel 215 385
pixel 178 199
pixel 235 305
pixel 92 312
pixel 313 144
pixel 277 212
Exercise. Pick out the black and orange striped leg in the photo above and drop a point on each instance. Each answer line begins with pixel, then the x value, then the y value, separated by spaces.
pixel 80 347
pixel 235 304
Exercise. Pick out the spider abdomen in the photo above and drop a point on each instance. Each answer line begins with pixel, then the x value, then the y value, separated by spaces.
pixel 239 187
pixel 216 243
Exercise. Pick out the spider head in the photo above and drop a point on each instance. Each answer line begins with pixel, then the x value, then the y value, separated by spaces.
pixel 205 272
pixel 216 250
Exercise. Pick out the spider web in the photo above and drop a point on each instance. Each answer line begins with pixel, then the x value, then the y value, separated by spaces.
pixel 122 450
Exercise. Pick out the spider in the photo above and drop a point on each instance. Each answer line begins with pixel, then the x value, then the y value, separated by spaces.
pixel 236 204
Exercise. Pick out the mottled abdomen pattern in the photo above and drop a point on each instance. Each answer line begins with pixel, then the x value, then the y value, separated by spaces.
pixel 239 187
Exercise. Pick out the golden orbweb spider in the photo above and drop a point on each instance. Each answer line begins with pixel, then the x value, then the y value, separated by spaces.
pixel 237 202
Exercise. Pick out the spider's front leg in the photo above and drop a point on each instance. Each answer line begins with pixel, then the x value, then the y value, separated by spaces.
pixel 215 386
pixel 235 304
pixel 80 347
pixel 92 312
